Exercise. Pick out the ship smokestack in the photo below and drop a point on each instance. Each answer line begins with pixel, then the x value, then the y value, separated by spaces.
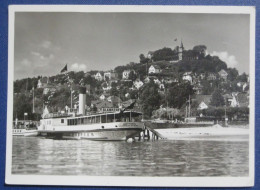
pixel 82 100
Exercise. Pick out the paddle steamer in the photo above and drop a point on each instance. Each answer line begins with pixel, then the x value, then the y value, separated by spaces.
pixel 119 125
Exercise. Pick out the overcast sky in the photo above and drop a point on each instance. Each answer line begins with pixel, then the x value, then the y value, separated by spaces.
pixel 45 42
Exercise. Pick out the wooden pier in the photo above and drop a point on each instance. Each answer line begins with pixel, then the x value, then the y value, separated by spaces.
pixel 148 133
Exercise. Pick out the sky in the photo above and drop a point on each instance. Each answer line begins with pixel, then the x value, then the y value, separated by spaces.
pixel 46 42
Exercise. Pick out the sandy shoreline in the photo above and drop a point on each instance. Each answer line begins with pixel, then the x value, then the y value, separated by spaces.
pixel 215 132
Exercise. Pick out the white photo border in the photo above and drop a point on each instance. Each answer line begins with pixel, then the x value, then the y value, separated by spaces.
pixel 118 180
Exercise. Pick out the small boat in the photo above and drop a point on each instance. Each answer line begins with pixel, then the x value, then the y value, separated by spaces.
pixel 26 128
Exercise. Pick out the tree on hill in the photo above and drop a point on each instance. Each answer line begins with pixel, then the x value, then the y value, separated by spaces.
pixel 242 77
pixel 208 64
pixel 178 94
pixel 114 91
pixel 201 49
pixel 23 104
pixel 143 59
pixel 207 88
pixel 90 80
pixel 163 54
pixel 78 76
pixel 60 99
pixel 132 76
pixel 150 99
pixel 217 99
pixel 26 84
pixel 232 74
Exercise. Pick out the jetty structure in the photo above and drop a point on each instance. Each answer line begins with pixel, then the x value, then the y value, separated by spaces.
pixel 78 124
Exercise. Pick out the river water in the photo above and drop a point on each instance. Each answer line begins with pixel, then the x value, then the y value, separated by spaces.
pixel 32 155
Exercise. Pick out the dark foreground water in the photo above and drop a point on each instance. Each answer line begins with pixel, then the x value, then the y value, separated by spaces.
pixel 149 158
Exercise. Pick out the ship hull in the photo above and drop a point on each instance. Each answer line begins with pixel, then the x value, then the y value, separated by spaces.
pixel 97 132
pixel 25 133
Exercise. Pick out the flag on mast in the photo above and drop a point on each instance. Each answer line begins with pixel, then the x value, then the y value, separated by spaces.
pixel 64 69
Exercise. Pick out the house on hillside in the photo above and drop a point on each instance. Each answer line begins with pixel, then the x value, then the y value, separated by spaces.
pixel 223 74
pixel 202 76
pixel 107 75
pixel 138 84
pixel 147 80
pixel 98 76
pixel 106 86
pixel 114 76
pixel 243 85
pixel 187 77
pixel 157 81
pixel 137 105
pixel 154 69
pixel 115 100
pixel 127 95
pixel 212 76
pixel 203 101
pixel 231 99
pixel 102 97
pixel 49 88
pixel 43 82
pixel 161 86
pixel 125 74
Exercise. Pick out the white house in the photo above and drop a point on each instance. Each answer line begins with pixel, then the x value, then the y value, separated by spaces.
pixel 157 81
pixel 147 80
pixel 107 75
pixel 202 106
pixel 127 95
pixel 49 88
pixel 43 82
pixel 223 74
pixel 106 86
pixel 39 85
pixel 233 101
pixel 102 97
pixel 187 76
pixel 125 74
pixel 161 86
pixel 154 69
pixel 138 83
pixel 98 76
pixel 203 101
pixel 245 86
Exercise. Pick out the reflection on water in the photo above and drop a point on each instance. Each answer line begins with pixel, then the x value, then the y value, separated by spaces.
pixel 149 158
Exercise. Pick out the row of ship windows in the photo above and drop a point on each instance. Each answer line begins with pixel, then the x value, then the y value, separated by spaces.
pixel 17 131
pixel 89 120
pixel 81 134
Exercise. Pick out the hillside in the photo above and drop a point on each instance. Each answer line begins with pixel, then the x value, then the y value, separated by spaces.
pixel 55 91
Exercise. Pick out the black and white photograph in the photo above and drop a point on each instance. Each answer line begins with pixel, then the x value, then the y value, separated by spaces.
pixel 131 96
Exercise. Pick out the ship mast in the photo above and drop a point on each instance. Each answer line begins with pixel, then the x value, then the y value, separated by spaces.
pixel 33 99
pixel 189 107
pixel 71 97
